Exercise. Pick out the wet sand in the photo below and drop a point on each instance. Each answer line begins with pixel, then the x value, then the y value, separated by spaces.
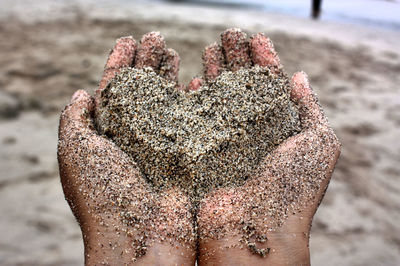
pixel 43 63
pixel 189 138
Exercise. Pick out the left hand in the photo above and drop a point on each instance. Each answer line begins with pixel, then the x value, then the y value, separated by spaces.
pixel 122 218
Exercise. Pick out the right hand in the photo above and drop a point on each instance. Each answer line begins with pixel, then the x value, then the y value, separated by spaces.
pixel 271 214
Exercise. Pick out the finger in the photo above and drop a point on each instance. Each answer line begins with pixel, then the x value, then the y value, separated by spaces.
pixel 151 51
pixel 73 128
pixel 122 55
pixel 262 51
pixel 170 65
pixel 78 112
pixel 195 84
pixel 236 48
pixel 213 61
pixel 310 111
pixel 75 124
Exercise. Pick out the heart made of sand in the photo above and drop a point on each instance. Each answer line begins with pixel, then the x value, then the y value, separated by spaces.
pixel 211 137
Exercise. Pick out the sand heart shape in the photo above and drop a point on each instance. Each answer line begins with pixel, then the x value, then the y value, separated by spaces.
pixel 215 136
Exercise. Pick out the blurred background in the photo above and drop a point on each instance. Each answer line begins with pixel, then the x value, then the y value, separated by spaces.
pixel 49 49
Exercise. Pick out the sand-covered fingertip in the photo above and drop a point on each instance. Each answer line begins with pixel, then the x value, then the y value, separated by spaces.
pixel 169 66
pixel 213 61
pixel 151 51
pixel 263 52
pixel 236 48
pixel 123 53
pixel 300 86
pixel 195 84
pixel 310 110
pixel 80 108
pixel 79 96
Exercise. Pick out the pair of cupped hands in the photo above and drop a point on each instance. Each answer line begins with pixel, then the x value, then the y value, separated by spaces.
pixel 162 227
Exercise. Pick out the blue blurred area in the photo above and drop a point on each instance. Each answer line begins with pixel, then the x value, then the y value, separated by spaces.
pixel 381 13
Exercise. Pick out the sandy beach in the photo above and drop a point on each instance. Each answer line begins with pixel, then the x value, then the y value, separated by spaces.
pixel 50 50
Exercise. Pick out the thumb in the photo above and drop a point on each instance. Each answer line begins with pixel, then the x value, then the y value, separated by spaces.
pixel 76 115
pixel 310 110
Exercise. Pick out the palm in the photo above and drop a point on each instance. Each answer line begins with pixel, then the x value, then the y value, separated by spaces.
pixel 288 183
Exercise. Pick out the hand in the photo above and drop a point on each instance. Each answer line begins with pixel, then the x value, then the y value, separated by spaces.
pixel 268 219
pixel 122 219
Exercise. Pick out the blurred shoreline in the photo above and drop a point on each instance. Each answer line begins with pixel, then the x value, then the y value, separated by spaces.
pixel 350 34
pixel 378 13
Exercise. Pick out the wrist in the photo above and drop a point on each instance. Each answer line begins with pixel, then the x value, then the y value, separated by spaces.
pixel 281 250
pixel 107 244
pixel 287 245
pixel 289 249
pixel 111 246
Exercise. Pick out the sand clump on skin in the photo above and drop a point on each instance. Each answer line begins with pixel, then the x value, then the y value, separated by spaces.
pixel 212 137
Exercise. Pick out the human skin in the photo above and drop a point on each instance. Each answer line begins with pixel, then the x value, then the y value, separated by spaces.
pixel 288 244
pixel 102 184
pixel 289 165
